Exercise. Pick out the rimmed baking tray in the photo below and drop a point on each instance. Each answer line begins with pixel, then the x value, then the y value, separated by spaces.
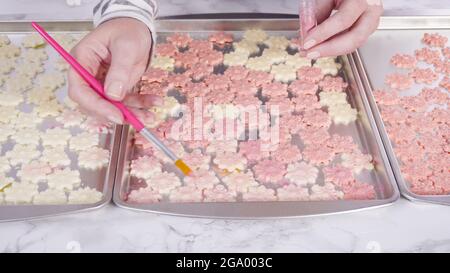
pixel 365 129
pixel 397 34
pixel 102 180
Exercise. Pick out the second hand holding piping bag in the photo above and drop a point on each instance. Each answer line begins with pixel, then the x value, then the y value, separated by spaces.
pixel 98 88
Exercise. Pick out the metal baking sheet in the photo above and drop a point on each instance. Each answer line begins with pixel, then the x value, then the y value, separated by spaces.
pixel 103 179
pixel 397 34
pixel 364 131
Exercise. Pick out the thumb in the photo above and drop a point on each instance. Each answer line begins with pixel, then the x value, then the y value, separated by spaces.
pixel 124 69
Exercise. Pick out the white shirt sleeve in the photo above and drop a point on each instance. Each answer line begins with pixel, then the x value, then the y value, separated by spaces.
pixel 142 10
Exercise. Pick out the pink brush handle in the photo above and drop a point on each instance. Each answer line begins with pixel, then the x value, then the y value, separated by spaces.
pixel 91 80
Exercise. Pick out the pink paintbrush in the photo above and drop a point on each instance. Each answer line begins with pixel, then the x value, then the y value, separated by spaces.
pixel 98 87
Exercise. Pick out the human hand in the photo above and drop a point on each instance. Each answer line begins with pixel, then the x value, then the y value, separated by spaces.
pixel 117 53
pixel 345 30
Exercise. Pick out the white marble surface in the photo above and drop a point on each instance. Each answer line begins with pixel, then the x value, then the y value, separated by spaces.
pixel 404 226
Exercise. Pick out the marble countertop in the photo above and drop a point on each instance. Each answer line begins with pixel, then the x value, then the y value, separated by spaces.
pixel 401 227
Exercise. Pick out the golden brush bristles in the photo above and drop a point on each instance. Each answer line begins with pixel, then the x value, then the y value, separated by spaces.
pixel 183 167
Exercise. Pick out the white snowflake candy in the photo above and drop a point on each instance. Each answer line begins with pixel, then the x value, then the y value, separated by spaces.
pixel 18 84
pixel 34 172
pixel 9 51
pixel 280 42
pixel 35 55
pixel 94 158
pixel 144 196
pixel 38 95
pixel 4 40
pixel 64 179
pixel 325 192
pixel 52 81
pixel 33 40
pixel 30 136
pixel 240 182
pixel 22 154
pixel 61 65
pixel 328 66
pixel 284 73
pixel 84 141
pixel 8 113
pixel 20 193
pixel 55 156
pixel 66 40
pixel 85 196
pixel 26 120
pixel 301 173
pixel 71 118
pixel 29 69
pixel 145 167
pixel 56 137
pixel 50 197
pixel 202 179
pixel 4 165
pixel 296 61
pixel 343 114
pixel 235 58
pixel 293 193
pixel 255 35
pixel 246 46
pixel 163 62
pixel 51 108
pixel 94 125
pixel 186 194
pixel 10 98
pixel 7 65
pixel 230 162
pixel 259 64
pixel 6 131
pixel 164 182
pixel 259 193
pixel 332 98
pixel 357 161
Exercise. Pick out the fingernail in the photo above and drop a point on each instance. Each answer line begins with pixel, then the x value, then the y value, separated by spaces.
pixel 114 90
pixel 310 43
pixel 115 119
pixel 158 101
pixel 313 55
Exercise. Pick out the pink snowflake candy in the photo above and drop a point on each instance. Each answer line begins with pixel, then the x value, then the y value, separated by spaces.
pixel 309 73
pixel 95 125
pixel 165 49
pixel 221 38
pixel 145 167
pixel 252 150
pixel 442 67
pixel 198 46
pixel 155 75
pixel 414 104
pixel 423 75
pixel 259 194
pixel 330 84
pixel 287 153
pixel 321 155
pixel 427 55
pixel 202 179
pixel 327 192
pixel 274 89
pixel 359 191
pixel 434 40
pixel 179 80
pixel 211 57
pixel 306 103
pixel 180 40
pixel 199 71
pixel 340 176
pixel 342 144
pixel 219 194
pixel 393 115
pixel 293 123
pixel 425 189
pixel 269 171
pixel 186 194
pixel 446 52
pixel 154 88
pixel 34 172
pixel 237 73
pixel 195 89
pixel 220 96
pixel 283 105
pixel 403 61
pixel 243 87
pixel 258 78
pixel 144 196
pixel 399 81
pixel 316 119
pixel 245 100
pixel 299 87
pixel 315 136
pixel 185 59
pixel 415 171
pixel 219 146
pixel 217 82
pixel 440 116
pixel 292 193
pixel 434 95
pixel 301 173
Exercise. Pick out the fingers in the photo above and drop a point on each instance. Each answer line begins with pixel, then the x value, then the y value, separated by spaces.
pixel 127 66
pixel 81 93
pixel 348 41
pixel 143 101
pixel 348 13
